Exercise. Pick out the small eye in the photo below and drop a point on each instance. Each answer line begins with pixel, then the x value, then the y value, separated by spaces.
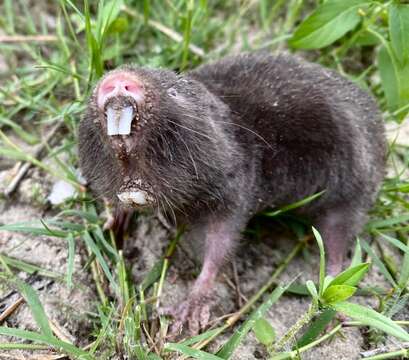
pixel 172 92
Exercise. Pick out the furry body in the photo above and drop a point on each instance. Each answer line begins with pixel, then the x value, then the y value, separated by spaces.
pixel 222 142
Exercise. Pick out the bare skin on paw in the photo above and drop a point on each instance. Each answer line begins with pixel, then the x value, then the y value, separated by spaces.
pixel 118 221
pixel 193 312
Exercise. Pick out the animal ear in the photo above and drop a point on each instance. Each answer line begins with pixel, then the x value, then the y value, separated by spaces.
pixel 176 92
pixel 172 91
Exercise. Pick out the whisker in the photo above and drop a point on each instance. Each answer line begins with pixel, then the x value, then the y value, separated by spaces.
pixel 238 125
pixel 171 205
pixel 189 129
pixel 190 155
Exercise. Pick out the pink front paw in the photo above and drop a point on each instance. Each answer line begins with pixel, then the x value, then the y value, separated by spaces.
pixel 193 312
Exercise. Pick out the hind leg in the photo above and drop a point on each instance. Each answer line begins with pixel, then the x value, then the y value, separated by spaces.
pixel 338 227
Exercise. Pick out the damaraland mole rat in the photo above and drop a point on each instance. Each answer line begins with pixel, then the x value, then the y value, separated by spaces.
pixel 217 144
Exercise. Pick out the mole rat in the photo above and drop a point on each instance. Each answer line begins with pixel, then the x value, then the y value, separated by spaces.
pixel 218 144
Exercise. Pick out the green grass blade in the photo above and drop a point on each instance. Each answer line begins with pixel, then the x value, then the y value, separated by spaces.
pixel 385 272
pixel 228 348
pixel 322 260
pixel 387 223
pixel 295 205
pixel 186 350
pixel 36 307
pixel 70 260
pixel 49 340
pixel 26 227
pixel 372 318
pixel 204 336
pixel 102 262
pixel 29 268
pixel 316 328
pixel 395 242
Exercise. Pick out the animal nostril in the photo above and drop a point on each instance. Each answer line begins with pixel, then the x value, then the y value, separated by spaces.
pixel 117 84
pixel 133 88
pixel 108 89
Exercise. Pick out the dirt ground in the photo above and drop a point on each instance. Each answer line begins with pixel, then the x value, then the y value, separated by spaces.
pixel 68 308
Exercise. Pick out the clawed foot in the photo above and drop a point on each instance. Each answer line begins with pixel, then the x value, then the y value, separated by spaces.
pixel 118 222
pixel 193 312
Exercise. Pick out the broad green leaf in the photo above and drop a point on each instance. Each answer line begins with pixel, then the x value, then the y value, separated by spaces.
pixel 312 289
pixel 372 318
pixel 389 79
pixel 228 348
pixel 186 350
pixel 328 23
pixel 322 260
pixel 357 257
pixel 351 276
pixel 327 281
pixel 395 81
pixel 298 289
pixel 399 31
pixel 119 25
pixel 337 293
pixel 316 328
pixel 264 332
pixel 107 16
pixel 365 38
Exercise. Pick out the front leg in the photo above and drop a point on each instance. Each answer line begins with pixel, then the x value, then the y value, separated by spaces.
pixel 221 235
pixel 118 221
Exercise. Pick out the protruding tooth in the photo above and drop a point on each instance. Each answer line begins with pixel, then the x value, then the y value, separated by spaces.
pixel 124 126
pixel 134 198
pixel 112 122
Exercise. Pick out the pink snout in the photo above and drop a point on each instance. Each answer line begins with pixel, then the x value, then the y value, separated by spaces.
pixel 120 83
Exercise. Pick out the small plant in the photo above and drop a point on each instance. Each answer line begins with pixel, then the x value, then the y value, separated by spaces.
pixel 328 300
pixel 384 24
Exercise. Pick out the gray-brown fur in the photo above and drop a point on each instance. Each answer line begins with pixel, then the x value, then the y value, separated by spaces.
pixel 232 137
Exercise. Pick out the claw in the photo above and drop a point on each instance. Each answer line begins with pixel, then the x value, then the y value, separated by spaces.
pixel 194 312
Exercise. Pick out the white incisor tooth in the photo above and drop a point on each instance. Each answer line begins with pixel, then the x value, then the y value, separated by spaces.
pixel 112 122
pixel 134 197
pixel 124 126
pixel 119 122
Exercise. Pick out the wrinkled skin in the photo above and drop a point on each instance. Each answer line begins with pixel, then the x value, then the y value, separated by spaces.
pixel 216 145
